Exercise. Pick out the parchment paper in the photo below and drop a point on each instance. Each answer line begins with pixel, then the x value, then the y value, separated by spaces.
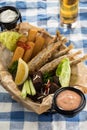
pixel 78 80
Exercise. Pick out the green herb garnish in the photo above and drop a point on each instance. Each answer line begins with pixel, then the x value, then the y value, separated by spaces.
pixel 46 76
pixel 13 68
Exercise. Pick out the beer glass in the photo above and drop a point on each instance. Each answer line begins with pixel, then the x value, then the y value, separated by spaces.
pixel 68 12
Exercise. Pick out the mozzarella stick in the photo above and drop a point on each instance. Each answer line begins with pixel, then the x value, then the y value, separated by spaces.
pixel 19 52
pixel 28 52
pixel 32 35
pixel 39 43
pixel 23 39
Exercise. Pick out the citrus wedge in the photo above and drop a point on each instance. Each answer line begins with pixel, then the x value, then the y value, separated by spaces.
pixel 22 72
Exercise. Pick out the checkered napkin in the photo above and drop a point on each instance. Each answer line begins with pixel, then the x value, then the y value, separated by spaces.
pixel 45 14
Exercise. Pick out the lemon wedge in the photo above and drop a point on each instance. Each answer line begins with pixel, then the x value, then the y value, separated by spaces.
pixel 22 72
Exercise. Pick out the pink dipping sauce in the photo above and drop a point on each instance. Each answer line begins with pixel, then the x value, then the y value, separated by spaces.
pixel 68 100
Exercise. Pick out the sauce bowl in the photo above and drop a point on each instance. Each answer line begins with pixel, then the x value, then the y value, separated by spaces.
pixel 68 101
pixel 11 24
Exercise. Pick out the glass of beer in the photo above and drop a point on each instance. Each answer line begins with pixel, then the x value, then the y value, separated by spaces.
pixel 68 12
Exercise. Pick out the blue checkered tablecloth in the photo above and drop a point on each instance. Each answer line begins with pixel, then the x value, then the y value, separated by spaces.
pixel 45 14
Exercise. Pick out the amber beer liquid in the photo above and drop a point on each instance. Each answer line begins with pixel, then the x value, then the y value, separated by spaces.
pixel 68 11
